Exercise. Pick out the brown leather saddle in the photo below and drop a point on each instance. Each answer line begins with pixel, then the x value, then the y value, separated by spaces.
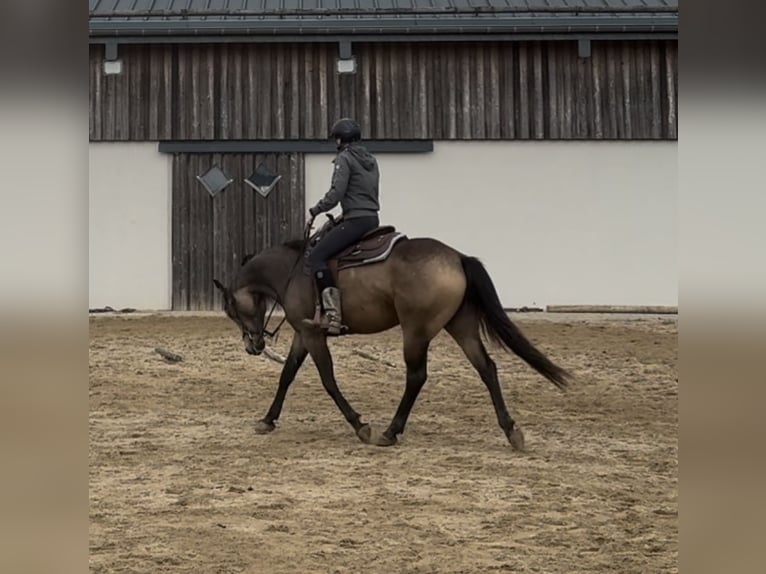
pixel 374 247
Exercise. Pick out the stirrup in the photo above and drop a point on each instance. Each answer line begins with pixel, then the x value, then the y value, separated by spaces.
pixel 320 321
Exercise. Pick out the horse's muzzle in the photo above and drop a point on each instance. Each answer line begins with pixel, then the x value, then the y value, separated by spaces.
pixel 255 347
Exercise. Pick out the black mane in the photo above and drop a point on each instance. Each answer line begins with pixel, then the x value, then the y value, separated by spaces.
pixel 292 244
pixel 295 244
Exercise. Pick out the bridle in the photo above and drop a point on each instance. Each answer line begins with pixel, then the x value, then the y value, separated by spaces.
pixel 264 331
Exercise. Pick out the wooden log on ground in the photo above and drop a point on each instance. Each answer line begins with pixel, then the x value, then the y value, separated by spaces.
pixel 274 356
pixel 168 356
pixel 627 309
pixel 365 355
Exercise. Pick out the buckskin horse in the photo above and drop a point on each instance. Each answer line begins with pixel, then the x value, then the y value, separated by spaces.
pixel 386 279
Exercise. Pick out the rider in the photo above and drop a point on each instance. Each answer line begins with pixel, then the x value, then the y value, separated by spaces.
pixel 355 185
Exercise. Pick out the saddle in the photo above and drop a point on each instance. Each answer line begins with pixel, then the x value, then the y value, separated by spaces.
pixel 374 247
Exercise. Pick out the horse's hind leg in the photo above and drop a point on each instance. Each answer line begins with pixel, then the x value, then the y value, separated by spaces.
pixel 464 328
pixel 416 359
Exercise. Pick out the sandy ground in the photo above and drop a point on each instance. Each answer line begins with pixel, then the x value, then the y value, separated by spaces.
pixel 179 482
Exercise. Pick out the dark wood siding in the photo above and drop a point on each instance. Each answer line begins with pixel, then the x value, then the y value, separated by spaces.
pixel 211 234
pixel 511 90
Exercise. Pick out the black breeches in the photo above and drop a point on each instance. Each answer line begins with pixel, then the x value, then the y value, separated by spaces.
pixel 337 239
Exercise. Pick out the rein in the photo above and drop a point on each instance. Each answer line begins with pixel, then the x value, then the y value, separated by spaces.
pixel 275 332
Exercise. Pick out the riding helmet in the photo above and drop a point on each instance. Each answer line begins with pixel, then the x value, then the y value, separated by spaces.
pixel 346 130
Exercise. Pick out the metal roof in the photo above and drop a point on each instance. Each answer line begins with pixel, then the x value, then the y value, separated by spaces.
pixel 196 18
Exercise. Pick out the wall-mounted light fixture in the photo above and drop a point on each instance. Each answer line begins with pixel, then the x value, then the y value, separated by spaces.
pixel 346 63
pixel 112 64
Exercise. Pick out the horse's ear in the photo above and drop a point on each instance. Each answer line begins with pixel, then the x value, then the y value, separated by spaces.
pixel 218 284
pixel 246 258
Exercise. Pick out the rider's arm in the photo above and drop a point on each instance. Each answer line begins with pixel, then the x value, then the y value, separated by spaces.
pixel 338 187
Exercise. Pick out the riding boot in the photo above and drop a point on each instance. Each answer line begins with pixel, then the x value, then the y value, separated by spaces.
pixel 332 312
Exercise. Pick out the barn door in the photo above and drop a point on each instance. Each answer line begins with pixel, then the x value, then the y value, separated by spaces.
pixel 213 229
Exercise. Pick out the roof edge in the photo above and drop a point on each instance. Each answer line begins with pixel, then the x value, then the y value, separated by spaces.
pixel 377 26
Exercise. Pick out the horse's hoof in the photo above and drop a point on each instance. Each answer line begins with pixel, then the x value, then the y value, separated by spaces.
pixel 263 427
pixel 383 440
pixel 516 438
pixel 364 433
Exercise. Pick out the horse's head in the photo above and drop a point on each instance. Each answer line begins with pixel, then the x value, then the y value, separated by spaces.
pixel 247 310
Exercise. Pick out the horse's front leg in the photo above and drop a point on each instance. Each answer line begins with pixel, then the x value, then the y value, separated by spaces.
pixel 293 363
pixel 317 346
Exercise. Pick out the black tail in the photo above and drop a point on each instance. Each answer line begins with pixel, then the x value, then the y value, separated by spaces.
pixel 496 325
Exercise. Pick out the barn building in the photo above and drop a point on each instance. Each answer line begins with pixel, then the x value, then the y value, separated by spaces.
pixel 538 135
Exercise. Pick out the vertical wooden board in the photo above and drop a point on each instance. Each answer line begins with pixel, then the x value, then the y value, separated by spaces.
pixel 298 194
pixel 208 96
pixel 261 215
pixel 642 101
pixel 188 215
pixel 334 77
pixel 110 109
pixel 234 89
pixel 524 74
pixel 133 94
pixel 170 91
pixel 597 75
pixel 551 89
pixel 626 72
pixel 219 229
pixel 191 97
pixel 394 86
pixel 221 95
pixel 195 227
pixel 178 251
pixel 377 125
pixel 451 81
pixel 619 101
pixel 280 97
pixel 407 89
pixel 507 96
pixel 283 198
pixel 570 80
pixel 324 90
pixel 207 205
pixel 249 230
pixel 296 92
pixel 423 96
pixel 154 101
pixel 235 222
pixel 271 108
pixel 465 94
pixel 614 91
pixel 253 94
pixel 493 105
pixel 364 91
pixel 478 108
pixel 438 68
pixel 122 94
pixel 96 94
pixel 655 75
pixel 582 91
pixel 427 64
pixel 538 95
pixel 671 88
pixel 309 100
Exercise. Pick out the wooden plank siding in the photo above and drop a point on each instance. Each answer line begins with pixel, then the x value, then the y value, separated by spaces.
pixel 487 90
pixel 210 235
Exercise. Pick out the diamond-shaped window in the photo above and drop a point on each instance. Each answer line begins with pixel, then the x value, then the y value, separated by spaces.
pixel 214 180
pixel 263 180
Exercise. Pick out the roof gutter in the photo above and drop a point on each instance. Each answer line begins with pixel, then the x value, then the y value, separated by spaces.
pixel 644 24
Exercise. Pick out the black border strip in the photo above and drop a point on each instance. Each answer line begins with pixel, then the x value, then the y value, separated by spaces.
pixel 290 146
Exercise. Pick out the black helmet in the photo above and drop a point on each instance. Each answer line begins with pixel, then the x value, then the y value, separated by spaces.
pixel 346 130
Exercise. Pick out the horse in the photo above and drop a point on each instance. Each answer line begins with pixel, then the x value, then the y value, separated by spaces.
pixel 420 284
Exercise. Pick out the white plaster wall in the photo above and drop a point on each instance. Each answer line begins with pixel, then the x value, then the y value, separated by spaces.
pixel 554 222
pixel 129 226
